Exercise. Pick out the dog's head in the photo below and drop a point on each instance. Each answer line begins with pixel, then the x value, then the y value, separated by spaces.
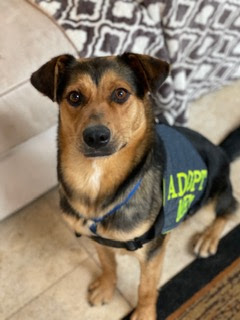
pixel 104 102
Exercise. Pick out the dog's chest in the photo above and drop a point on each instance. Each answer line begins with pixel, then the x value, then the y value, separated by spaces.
pixel 93 179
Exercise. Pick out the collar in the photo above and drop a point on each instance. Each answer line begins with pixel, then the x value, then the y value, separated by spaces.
pixel 138 242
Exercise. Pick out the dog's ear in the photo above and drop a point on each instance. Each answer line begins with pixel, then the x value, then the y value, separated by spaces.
pixel 152 70
pixel 48 77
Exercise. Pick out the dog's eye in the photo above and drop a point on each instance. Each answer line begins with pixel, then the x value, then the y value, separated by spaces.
pixel 120 95
pixel 75 98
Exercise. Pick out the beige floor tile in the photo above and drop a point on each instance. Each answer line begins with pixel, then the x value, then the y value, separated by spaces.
pixel 67 300
pixel 128 277
pixel 89 246
pixel 36 249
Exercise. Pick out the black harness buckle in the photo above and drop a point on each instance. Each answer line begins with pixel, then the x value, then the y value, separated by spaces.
pixel 133 245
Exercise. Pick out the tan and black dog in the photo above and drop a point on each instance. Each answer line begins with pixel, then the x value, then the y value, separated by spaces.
pixel 114 166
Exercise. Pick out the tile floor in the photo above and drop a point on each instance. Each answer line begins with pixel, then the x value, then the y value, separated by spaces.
pixel 45 270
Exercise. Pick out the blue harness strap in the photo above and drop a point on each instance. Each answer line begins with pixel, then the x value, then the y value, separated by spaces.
pixel 93 227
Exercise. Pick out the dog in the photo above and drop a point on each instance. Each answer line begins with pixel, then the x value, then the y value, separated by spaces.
pixel 120 175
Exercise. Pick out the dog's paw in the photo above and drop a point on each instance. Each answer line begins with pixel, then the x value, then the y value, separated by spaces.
pixel 206 244
pixel 144 313
pixel 101 291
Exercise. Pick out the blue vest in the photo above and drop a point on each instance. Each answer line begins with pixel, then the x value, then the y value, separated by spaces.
pixel 184 177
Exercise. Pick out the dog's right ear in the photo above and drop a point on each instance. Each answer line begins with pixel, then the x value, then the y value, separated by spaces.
pixel 48 78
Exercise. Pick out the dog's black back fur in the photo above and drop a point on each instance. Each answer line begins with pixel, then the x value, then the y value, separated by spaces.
pixel 217 159
pixel 231 144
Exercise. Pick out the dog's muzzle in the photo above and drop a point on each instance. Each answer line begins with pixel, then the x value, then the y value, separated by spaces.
pixel 96 137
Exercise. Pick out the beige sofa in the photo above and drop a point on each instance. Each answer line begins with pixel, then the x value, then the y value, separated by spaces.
pixel 28 38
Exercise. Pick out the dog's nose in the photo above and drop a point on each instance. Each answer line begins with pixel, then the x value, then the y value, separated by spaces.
pixel 96 136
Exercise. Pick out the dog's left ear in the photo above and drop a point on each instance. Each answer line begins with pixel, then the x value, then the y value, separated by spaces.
pixel 154 71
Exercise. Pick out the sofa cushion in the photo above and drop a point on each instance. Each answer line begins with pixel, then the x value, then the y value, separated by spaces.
pixel 27 171
pixel 24 113
pixel 28 39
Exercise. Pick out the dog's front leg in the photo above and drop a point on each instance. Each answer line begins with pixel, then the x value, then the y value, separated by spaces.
pixel 147 291
pixel 102 289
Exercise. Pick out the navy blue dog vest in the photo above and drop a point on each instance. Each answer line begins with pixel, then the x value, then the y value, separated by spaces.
pixel 184 177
